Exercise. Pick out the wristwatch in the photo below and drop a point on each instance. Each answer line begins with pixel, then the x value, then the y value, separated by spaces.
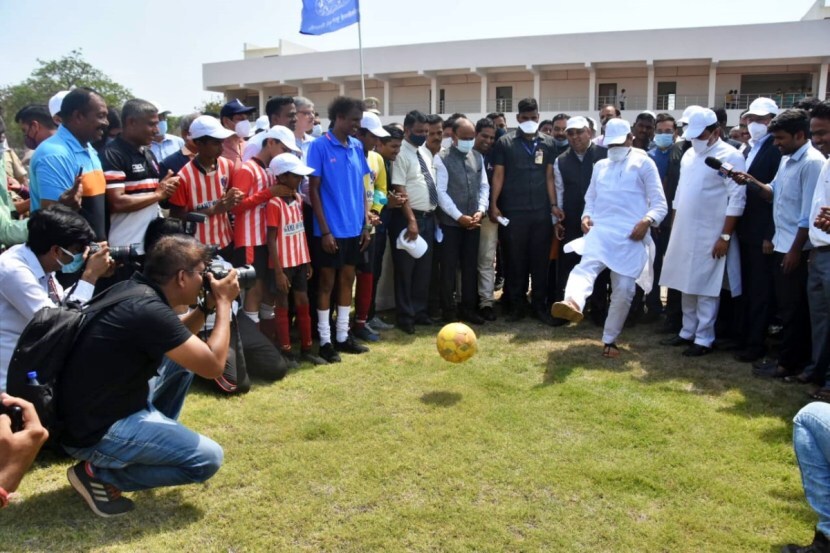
pixel 725 237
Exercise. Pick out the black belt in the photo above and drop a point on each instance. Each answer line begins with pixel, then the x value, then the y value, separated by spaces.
pixel 422 214
pixel 822 248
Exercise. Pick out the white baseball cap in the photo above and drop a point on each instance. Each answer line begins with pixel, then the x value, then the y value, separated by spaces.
pixel 416 248
pixel 289 163
pixel 205 125
pixel 698 121
pixel 616 131
pixel 371 122
pixel 56 101
pixel 284 135
pixel 262 123
pixel 762 106
pixel 577 122
pixel 684 119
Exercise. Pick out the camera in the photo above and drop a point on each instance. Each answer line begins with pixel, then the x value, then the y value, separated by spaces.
pixel 122 254
pixel 190 222
pixel 246 274
pixel 15 413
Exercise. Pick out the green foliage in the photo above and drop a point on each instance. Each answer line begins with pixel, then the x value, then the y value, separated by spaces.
pixel 52 76
pixel 214 105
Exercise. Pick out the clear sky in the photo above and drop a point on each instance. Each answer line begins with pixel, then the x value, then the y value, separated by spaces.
pixel 156 47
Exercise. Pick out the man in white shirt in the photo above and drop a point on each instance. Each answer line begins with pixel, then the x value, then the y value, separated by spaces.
pixel 624 200
pixel 164 144
pixel 58 239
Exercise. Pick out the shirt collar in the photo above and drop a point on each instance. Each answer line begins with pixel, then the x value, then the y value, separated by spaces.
pixel 335 142
pixel 141 279
pixel 799 153
pixel 32 261
pixel 70 140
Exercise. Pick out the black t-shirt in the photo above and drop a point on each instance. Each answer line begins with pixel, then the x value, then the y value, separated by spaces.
pixel 106 376
pixel 525 164
pixel 174 162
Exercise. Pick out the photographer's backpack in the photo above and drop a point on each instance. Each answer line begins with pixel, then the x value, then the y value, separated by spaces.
pixel 45 346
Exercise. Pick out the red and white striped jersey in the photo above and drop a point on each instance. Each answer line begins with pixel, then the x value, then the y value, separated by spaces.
pixel 249 216
pixel 287 218
pixel 200 190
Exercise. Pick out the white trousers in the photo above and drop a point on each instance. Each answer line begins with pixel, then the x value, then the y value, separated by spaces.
pixel 581 284
pixel 699 314
pixel 487 241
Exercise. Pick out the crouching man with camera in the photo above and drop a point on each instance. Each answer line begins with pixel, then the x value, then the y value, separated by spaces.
pixel 121 425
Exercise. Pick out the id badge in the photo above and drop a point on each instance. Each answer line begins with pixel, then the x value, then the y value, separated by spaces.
pixel 539 158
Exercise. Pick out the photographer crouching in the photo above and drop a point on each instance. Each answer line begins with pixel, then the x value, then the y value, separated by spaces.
pixel 121 425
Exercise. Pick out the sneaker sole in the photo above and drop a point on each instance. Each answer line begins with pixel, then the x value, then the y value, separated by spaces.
pixel 561 310
pixel 84 493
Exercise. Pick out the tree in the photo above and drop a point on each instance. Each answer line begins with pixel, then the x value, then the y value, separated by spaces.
pixel 70 71
pixel 214 105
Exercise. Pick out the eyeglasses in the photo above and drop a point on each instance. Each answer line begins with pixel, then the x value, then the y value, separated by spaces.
pixel 307 113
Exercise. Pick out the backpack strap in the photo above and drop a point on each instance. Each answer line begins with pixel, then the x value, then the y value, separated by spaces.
pixel 109 297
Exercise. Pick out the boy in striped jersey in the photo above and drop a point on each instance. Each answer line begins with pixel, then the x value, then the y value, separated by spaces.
pixel 289 260
pixel 206 186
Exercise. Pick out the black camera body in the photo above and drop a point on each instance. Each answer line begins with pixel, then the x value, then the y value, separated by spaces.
pixel 134 253
pixel 15 413
pixel 246 274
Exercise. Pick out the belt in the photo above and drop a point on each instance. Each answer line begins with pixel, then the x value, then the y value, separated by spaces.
pixel 422 214
pixel 822 248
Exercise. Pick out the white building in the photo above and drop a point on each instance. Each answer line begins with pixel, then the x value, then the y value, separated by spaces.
pixel 573 73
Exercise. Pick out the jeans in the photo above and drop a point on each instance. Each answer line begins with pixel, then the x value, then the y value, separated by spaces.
pixel 811 441
pixel 150 448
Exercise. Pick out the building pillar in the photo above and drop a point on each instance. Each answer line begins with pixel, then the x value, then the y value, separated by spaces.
pixel 387 106
pixel 650 90
pixel 821 93
pixel 482 74
pixel 713 75
pixel 433 97
pixel 592 87
pixel 262 101
pixel 300 90
pixel 342 88
pixel 537 85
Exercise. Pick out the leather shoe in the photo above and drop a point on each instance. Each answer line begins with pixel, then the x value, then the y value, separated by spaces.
pixel 748 355
pixel 487 313
pixel 675 341
pixel 696 350
pixel 425 321
pixel 407 328
pixel 470 316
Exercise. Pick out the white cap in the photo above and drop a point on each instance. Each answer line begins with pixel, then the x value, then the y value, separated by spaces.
pixel 762 106
pixel 289 163
pixel 56 101
pixel 284 135
pixel 684 119
pixel 205 125
pixel 262 123
pixel 592 123
pixel 416 248
pixel 371 122
pixel 616 131
pixel 698 121
pixel 160 109
pixel 577 122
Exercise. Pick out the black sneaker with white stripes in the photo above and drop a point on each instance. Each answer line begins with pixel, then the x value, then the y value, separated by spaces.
pixel 104 499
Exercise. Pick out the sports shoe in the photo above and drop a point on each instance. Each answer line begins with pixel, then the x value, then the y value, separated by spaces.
pixel 349 345
pixel 820 545
pixel 104 499
pixel 290 359
pixel 365 334
pixel 307 356
pixel 378 324
pixel 328 353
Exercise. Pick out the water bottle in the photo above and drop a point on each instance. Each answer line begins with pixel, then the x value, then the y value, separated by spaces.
pixel 31 377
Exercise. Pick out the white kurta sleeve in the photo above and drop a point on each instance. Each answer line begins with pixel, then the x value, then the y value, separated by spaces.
pixel 558 184
pixel 590 196
pixel 736 193
pixel 657 206
pixel 483 189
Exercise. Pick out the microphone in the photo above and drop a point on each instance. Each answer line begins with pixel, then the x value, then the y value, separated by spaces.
pixel 721 166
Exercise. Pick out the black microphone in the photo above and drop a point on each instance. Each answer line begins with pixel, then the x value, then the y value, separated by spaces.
pixel 721 166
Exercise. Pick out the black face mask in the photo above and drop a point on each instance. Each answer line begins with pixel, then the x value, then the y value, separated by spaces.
pixel 417 140
pixel 500 132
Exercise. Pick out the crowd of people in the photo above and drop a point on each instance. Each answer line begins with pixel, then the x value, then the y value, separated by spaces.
pixel 568 216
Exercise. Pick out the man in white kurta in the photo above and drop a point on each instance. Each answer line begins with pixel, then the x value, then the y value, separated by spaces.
pixel 625 198
pixel 707 206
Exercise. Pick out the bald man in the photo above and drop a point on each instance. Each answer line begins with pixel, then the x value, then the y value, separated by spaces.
pixel 463 196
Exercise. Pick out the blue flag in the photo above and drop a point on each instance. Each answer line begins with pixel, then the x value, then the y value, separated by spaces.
pixel 324 16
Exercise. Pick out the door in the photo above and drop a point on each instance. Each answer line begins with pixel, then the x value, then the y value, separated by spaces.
pixel 504 98
pixel 607 94
pixel 666 93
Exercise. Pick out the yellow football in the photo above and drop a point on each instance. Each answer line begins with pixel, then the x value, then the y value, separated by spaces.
pixel 456 342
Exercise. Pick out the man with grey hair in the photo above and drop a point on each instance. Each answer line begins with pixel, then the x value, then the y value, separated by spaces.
pixel 135 185
pixel 305 120
pixel 175 161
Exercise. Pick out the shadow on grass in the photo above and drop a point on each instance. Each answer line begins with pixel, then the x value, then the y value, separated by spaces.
pixel 441 399
pixel 34 523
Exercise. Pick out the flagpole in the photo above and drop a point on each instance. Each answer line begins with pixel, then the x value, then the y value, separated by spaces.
pixel 360 49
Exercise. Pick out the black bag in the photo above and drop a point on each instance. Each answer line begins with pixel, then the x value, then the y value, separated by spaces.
pixel 45 345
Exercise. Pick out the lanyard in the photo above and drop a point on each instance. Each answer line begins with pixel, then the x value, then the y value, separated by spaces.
pixel 529 151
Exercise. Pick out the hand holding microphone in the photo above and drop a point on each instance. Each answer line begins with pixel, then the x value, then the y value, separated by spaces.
pixel 728 170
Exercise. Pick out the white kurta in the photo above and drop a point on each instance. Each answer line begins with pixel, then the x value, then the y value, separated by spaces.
pixel 703 200
pixel 621 193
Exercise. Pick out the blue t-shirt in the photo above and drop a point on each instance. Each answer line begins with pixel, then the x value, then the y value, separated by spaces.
pixel 341 170
pixel 661 160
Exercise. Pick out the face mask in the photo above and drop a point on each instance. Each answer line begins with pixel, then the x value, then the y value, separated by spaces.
pixel 417 140
pixel 162 128
pixel 700 146
pixel 73 266
pixel 446 142
pixel 317 131
pixel 618 153
pixel 500 133
pixel 561 143
pixel 464 146
pixel 757 131
pixel 529 127
pixel 663 140
pixel 243 128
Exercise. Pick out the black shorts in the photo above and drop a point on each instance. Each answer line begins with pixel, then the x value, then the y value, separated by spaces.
pixel 252 255
pixel 367 257
pixel 297 278
pixel 348 253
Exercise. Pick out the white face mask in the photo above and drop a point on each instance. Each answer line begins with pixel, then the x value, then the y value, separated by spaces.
pixel 529 127
pixel 243 128
pixel 446 142
pixel 317 131
pixel 464 146
pixel 757 131
pixel 618 153
pixel 700 146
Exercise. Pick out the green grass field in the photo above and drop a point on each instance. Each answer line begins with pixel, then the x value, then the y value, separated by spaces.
pixel 536 444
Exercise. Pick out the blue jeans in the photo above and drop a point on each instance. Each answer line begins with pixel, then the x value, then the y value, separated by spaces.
pixel 811 441
pixel 150 448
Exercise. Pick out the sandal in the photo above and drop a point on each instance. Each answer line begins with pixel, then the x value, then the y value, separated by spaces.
pixel 611 351
pixel 798 379
pixel 822 395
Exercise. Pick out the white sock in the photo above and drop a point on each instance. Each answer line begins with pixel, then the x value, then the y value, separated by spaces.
pixel 266 311
pixel 253 315
pixel 343 322
pixel 323 327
